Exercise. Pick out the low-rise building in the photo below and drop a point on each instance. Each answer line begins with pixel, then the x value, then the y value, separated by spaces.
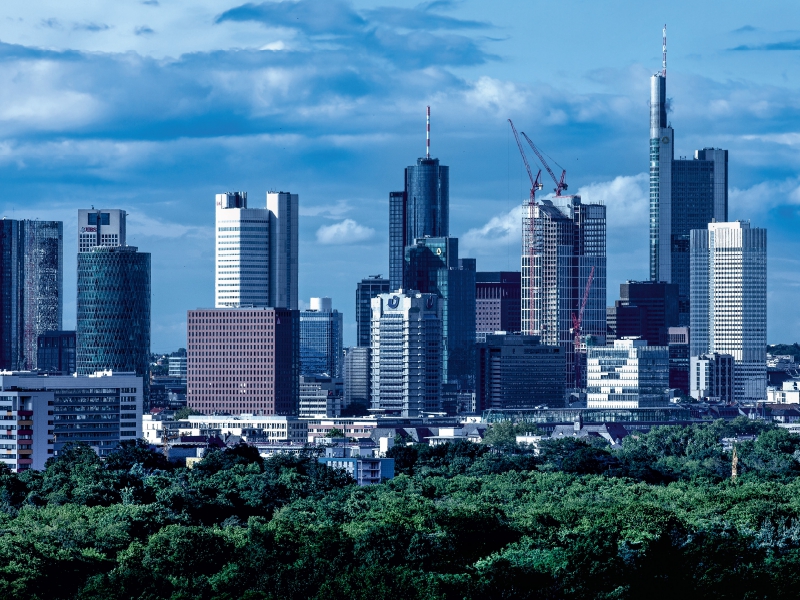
pixel 269 428
pixel 321 396
pixel 789 393
pixel 629 374
pixel 362 462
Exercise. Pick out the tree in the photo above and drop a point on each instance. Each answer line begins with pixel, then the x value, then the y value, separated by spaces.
pixel 335 433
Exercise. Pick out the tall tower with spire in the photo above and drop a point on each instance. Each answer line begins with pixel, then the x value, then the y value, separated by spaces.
pixel 685 194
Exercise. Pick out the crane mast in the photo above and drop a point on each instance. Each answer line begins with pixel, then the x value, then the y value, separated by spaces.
pixel 560 184
pixel 576 327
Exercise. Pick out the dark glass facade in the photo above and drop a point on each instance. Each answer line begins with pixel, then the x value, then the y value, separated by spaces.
pixel 31 288
pixel 646 309
pixel 421 209
pixel 56 352
pixel 113 310
pixel 498 301
pixel 679 359
pixel 432 266
pixel 321 343
pixel 366 290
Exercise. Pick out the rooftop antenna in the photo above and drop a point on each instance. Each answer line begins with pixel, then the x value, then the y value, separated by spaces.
pixel 428 138
pixel 664 59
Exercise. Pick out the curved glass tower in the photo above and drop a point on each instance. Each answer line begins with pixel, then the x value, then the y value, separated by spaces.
pixel 113 310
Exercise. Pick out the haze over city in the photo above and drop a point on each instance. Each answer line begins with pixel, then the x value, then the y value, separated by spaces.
pixel 155 106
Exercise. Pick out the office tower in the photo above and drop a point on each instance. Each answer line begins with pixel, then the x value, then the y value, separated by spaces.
pixel 31 288
pixel 366 290
pixel 321 330
pixel 679 359
pixel 712 377
pixel 497 302
pixel 113 330
pixel 101 227
pixel 406 354
pixel 242 252
pixel 357 376
pixel 646 309
pixel 320 397
pixel 243 360
pixel 629 374
pixel 432 266
pixel 517 371
pixel 283 208
pixel 729 301
pixel 56 352
pixel 685 194
pixel 565 240
pixel 53 411
pixel 256 251
pixel 421 209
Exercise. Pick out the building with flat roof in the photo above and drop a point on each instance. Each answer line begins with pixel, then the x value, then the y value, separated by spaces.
pixel 243 360
pixel 56 352
pixel 321 336
pixel 497 302
pixel 629 374
pixel 645 309
pixel 366 290
pixel 321 396
pixel 101 227
pixel 357 379
pixel 271 428
pixel 712 377
pixel 517 371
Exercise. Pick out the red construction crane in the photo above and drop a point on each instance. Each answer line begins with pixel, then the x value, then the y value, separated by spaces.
pixel 560 185
pixel 535 183
pixel 576 327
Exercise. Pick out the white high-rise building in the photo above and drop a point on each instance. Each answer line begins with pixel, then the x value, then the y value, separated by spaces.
pixel 629 374
pixel 283 208
pixel 256 251
pixel 564 245
pixel 100 227
pixel 729 301
pixel 406 353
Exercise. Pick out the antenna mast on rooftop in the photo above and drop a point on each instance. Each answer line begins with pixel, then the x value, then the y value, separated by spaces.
pixel 664 58
pixel 428 136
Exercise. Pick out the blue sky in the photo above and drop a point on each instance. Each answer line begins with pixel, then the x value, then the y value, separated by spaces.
pixel 154 106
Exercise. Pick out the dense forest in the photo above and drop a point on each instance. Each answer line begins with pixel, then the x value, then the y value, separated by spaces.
pixel 661 517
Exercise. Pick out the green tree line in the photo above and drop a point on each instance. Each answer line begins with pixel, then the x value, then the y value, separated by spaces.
pixel 660 517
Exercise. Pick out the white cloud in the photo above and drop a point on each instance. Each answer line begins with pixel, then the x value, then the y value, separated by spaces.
pixel 345 232
pixel 626 199
pixel 500 231
pixel 762 197
pixel 500 96
pixel 333 211
pixel 139 223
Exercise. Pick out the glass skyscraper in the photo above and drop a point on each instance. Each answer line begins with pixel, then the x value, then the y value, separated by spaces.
pixel 421 209
pixel 366 290
pixel 321 330
pixel 432 266
pixel 113 310
pixel 31 288
pixel 685 194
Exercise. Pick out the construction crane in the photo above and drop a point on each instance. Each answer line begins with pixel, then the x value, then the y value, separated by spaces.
pixel 560 185
pixel 528 217
pixel 536 184
pixel 576 327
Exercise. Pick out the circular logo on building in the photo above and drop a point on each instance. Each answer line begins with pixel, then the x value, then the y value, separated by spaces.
pixel 665 140
pixel 394 302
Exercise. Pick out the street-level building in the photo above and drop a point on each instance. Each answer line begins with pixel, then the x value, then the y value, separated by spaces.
pixel 629 374
pixel 712 377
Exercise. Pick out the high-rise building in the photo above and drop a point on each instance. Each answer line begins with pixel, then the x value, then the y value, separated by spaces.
pixel 321 330
pixel 56 352
pixel 256 251
pixel 421 209
pixel 366 290
pixel 320 397
pixel 432 266
pixel 516 371
pixel 243 360
pixel 712 377
pixel 101 227
pixel 406 354
pixel 357 376
pixel 629 374
pixel 31 288
pixel 646 309
pixel 284 210
pixel 679 359
pixel 564 245
pixel 113 331
pixel 729 301
pixel 685 194
pixel 497 302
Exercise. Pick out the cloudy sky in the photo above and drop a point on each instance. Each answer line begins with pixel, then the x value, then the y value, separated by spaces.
pixel 154 106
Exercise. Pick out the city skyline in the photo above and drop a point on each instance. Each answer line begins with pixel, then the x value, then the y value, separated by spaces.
pixel 587 109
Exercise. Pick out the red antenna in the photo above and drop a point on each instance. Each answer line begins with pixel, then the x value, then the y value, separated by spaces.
pixel 576 326
pixel 428 138
pixel 664 59
pixel 560 185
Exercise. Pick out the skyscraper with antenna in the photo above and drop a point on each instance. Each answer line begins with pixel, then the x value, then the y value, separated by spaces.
pixel 421 209
pixel 685 194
